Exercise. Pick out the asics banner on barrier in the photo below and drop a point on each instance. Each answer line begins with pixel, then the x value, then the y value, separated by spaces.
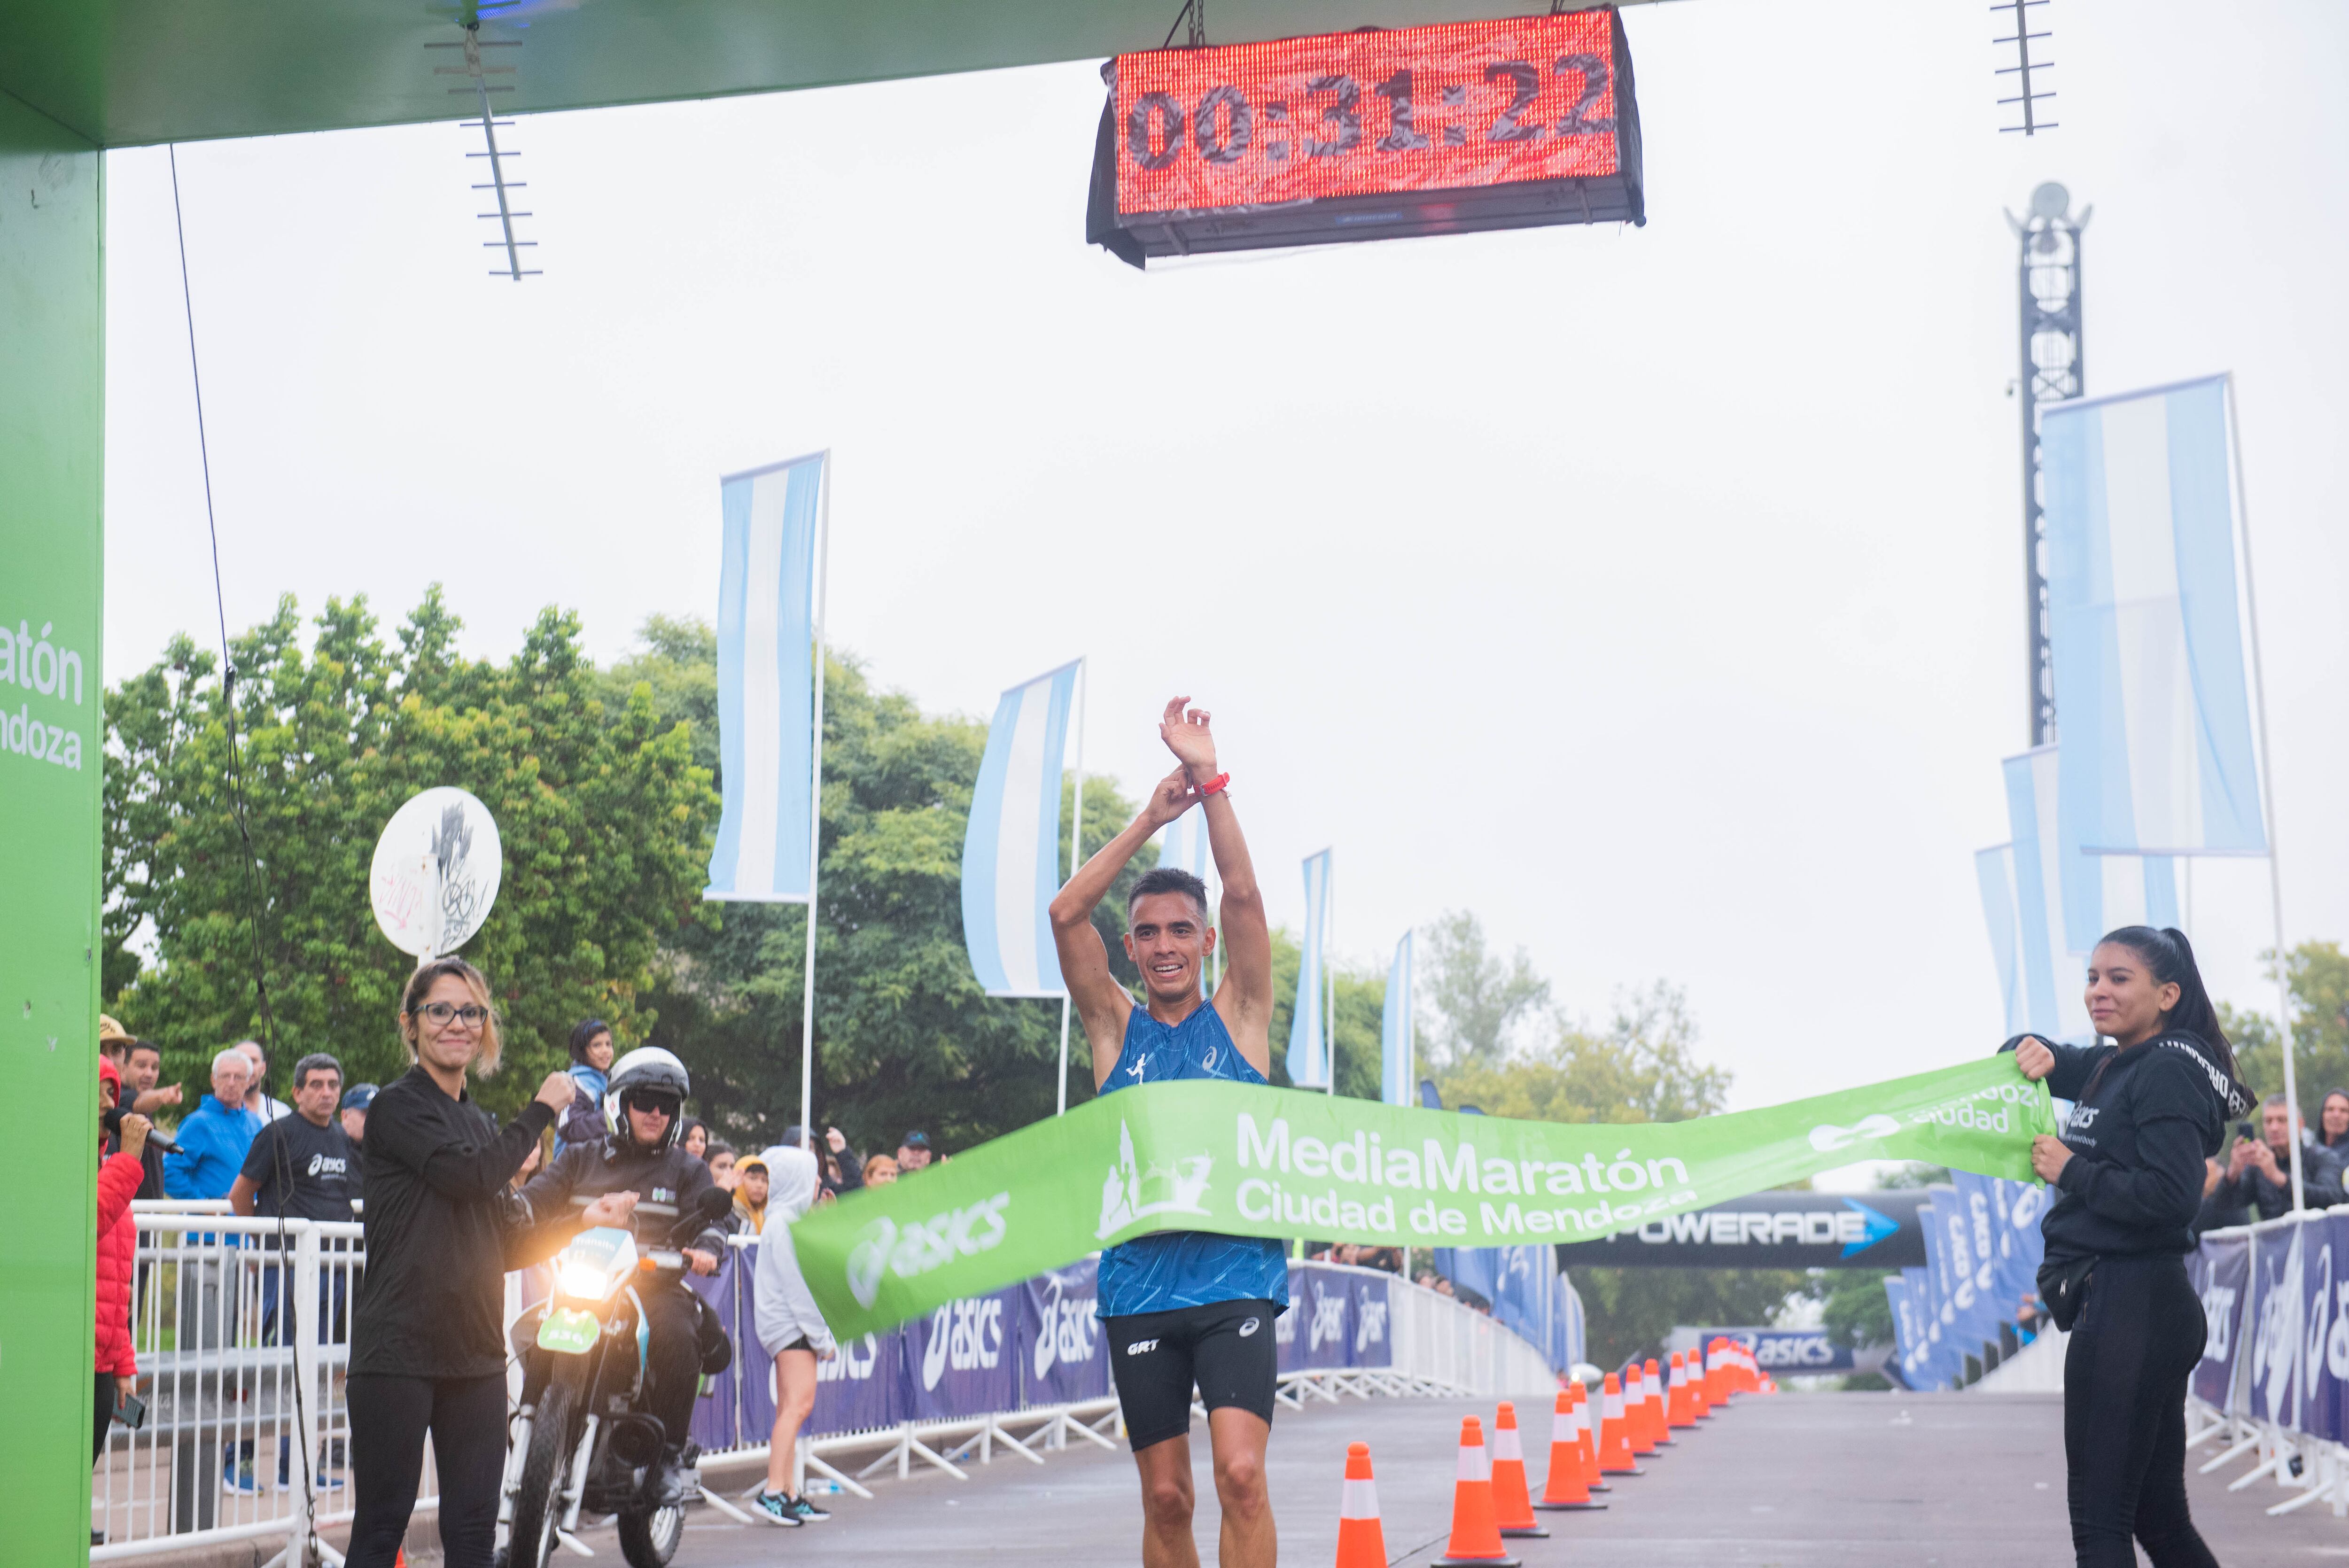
pixel 1244 1159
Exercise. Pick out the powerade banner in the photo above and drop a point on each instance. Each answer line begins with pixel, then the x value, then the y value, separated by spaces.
pixel 2220 1269
pixel 1247 1159
pixel 1792 1230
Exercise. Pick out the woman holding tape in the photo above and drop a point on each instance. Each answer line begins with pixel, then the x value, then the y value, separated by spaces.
pixel 2150 1109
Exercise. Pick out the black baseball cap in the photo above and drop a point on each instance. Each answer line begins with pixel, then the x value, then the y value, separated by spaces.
pixel 358 1096
pixel 915 1141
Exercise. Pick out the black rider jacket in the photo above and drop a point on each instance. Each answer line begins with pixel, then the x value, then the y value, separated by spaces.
pixel 665 1184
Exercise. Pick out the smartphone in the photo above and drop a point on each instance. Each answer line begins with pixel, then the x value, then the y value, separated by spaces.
pixel 131 1411
pixel 2243 1131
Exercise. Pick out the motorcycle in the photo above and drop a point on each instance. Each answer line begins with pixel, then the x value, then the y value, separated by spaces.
pixel 582 1440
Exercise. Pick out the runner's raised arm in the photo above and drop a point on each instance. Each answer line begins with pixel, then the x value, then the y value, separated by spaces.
pixel 1101 1004
pixel 1245 998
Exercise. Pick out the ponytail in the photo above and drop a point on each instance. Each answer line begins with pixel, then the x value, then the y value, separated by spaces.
pixel 2171 957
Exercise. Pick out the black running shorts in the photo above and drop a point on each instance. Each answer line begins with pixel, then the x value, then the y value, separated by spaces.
pixel 1226 1348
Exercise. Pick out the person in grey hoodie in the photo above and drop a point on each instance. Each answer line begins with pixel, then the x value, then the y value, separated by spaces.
pixel 789 1327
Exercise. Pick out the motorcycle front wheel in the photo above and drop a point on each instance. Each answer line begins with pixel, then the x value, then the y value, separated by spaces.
pixel 649 1540
pixel 553 1433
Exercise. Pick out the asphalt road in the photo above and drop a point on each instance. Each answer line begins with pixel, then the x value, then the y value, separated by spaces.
pixel 1800 1480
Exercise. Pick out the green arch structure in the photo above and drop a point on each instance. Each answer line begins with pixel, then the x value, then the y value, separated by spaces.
pixel 78 77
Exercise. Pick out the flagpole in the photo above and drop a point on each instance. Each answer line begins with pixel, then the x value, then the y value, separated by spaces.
pixel 1076 858
pixel 1330 974
pixel 2267 791
pixel 815 816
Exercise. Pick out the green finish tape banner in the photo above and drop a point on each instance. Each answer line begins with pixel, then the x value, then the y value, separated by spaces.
pixel 1249 1161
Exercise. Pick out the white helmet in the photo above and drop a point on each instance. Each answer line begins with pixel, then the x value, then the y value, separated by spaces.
pixel 647 1070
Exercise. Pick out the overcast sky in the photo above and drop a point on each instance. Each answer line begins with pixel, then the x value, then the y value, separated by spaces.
pixel 1654 594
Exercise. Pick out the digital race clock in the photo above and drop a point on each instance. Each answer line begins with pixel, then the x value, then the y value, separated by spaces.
pixel 1448 129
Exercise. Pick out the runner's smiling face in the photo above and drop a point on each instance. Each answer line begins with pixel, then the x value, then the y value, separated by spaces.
pixel 1168 938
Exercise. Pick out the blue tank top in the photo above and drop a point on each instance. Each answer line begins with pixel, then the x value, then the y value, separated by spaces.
pixel 1186 1268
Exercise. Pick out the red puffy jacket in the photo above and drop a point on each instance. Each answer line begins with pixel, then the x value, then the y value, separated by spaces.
pixel 118 1242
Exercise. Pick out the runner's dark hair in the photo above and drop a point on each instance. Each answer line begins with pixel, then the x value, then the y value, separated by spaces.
pixel 1167 878
pixel 583 1035
pixel 2171 957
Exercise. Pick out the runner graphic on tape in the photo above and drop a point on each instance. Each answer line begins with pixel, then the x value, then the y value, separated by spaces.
pixel 1182 1307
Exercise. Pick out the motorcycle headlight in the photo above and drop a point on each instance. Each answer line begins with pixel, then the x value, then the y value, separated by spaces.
pixel 584 1279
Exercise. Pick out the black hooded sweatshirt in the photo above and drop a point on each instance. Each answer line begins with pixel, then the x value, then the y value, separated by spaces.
pixel 2143 1121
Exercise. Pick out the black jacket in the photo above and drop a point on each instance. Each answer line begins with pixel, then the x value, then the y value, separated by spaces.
pixel 2320 1185
pixel 440 1237
pixel 2143 1121
pixel 666 1183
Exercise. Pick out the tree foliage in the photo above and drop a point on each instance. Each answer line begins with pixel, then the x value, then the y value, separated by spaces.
pixel 1641 1067
pixel 2318 978
pixel 603 813
pixel 1479 998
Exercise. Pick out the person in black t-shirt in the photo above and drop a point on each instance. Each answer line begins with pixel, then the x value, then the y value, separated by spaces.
pixel 2148 1112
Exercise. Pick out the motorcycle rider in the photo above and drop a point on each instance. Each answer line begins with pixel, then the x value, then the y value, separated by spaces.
pixel 643 1106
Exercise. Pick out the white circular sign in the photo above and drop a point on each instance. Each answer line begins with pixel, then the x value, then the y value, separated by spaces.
pixel 436 871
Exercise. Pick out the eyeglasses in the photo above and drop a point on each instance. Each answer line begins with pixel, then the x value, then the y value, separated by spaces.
pixel 440 1013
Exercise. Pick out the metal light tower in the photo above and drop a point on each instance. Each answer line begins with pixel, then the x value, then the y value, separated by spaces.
pixel 2053 371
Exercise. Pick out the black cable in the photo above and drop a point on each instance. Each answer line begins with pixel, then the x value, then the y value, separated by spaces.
pixel 253 871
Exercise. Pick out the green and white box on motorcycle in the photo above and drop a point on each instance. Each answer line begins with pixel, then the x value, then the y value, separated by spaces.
pixel 591 1271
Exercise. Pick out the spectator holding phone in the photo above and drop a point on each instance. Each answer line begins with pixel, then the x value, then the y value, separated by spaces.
pixel 2259 1172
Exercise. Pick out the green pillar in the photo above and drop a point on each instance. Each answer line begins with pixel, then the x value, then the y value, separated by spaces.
pixel 52 427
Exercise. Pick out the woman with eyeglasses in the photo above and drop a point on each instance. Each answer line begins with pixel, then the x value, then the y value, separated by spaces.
pixel 428 1352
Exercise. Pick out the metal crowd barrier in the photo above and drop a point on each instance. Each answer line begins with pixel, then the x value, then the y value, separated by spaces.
pixel 243 1346
pixel 2272 1385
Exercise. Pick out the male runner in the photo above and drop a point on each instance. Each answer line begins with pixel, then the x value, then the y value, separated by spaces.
pixel 1185 1306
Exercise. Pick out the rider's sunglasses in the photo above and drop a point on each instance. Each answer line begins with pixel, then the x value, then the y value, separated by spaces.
pixel 471 1014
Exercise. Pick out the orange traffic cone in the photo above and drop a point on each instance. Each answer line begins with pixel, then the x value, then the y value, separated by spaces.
pixel 1476 1537
pixel 1586 1439
pixel 1652 1385
pixel 1566 1487
pixel 1699 1406
pixel 1742 1362
pixel 1513 1504
pixel 1677 1409
pixel 1614 1437
pixel 1635 1412
pixel 1361 1542
pixel 1716 1373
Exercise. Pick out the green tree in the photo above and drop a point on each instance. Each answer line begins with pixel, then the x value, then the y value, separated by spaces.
pixel 602 812
pixel 1479 998
pixel 1642 1068
pixel 1632 1312
pixel 2318 978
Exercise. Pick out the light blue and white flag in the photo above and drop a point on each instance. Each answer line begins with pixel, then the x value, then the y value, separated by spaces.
pixel 1394 1030
pixel 2067 900
pixel 766 682
pixel 2003 913
pixel 1011 850
pixel 1308 1056
pixel 2154 713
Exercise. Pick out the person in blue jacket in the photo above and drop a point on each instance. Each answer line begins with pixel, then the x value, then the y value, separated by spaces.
pixel 591 1062
pixel 1183 1308
pixel 213 1141
pixel 213 1144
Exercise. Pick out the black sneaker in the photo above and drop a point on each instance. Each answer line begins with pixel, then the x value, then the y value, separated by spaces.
pixel 779 1507
pixel 809 1512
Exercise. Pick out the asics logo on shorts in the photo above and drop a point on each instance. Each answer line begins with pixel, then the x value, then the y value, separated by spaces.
pixel 1140 1345
pixel 1249 1326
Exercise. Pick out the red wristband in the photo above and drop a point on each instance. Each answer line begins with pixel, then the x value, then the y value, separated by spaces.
pixel 1214 785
